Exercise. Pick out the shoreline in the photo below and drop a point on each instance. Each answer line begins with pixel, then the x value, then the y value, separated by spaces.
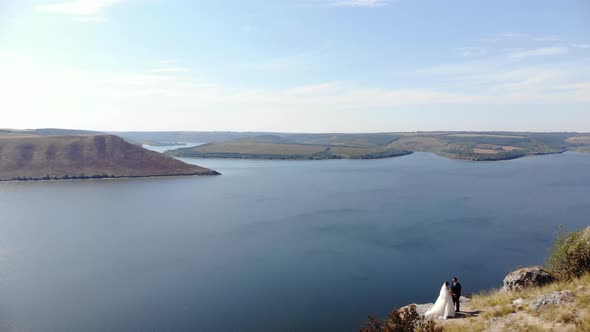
pixel 231 156
pixel 102 177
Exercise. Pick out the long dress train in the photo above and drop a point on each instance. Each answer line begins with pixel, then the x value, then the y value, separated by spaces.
pixel 443 307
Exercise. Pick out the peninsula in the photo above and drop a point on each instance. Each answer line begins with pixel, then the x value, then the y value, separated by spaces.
pixel 34 155
pixel 471 146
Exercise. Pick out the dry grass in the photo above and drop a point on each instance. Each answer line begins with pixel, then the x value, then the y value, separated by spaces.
pixel 494 298
pixel 564 315
pixel 497 311
pixel 583 300
pixel 468 325
pixel 583 324
pixel 522 327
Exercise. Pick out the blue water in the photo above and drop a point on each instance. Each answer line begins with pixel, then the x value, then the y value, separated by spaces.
pixel 275 245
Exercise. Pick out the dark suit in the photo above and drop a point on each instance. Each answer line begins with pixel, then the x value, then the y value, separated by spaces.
pixel 456 290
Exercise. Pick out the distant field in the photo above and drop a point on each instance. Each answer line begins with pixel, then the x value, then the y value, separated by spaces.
pixel 249 146
pixel 484 135
pixel 417 143
pixel 275 147
pixel 510 148
pixel 485 151
pixel 579 140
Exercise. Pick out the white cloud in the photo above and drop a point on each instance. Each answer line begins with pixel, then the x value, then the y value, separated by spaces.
pixel 580 45
pixel 543 51
pixel 80 10
pixel 40 96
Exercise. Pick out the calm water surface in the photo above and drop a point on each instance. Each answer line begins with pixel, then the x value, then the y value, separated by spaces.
pixel 275 245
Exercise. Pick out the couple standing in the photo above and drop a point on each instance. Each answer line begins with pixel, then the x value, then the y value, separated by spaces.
pixel 447 300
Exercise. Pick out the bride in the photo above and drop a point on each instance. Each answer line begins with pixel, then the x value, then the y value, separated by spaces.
pixel 443 307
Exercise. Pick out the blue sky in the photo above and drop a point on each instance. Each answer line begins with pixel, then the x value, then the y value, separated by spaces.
pixel 296 65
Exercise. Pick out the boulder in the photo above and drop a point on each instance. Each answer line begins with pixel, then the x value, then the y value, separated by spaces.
pixel 525 278
pixel 555 298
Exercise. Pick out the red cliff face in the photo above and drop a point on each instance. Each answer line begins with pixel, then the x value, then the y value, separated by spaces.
pixel 81 156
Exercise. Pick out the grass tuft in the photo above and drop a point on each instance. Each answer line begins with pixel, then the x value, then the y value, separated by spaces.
pixel 583 324
pixel 498 311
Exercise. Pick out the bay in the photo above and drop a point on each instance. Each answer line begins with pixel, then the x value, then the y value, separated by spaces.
pixel 275 245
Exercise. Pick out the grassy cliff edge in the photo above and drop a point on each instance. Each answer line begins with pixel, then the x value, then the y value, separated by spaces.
pixel 532 299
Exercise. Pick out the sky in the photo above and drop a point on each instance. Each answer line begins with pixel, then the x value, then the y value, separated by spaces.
pixel 295 65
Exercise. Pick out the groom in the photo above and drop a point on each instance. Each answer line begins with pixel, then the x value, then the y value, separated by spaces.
pixel 456 291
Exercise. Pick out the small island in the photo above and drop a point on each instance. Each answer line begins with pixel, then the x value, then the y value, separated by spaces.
pixel 28 155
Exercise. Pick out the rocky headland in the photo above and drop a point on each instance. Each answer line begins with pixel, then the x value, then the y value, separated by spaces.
pixel 531 299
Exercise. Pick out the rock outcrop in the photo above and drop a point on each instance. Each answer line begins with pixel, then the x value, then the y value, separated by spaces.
pixel 554 298
pixel 420 308
pixel 525 278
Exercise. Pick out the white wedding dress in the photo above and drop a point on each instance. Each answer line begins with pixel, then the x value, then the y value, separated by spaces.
pixel 443 307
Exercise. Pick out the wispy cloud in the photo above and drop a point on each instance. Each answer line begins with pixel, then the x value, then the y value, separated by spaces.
pixel 170 70
pixel 547 38
pixel 514 35
pixel 194 101
pixel 89 19
pixel 543 51
pixel 80 10
pixel 472 51
pixel 519 37
pixel 350 3
pixel 580 45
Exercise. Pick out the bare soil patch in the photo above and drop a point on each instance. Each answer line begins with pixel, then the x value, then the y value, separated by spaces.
pixel 510 148
pixel 485 151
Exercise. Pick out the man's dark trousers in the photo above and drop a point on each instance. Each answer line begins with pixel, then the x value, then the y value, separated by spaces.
pixel 456 290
